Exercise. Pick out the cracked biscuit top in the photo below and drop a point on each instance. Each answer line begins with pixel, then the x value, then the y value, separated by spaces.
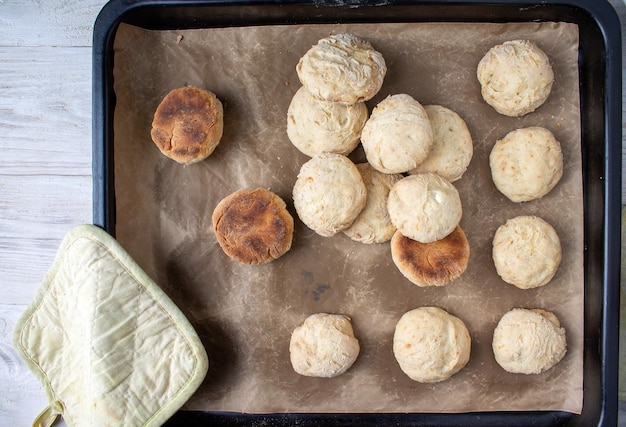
pixel 188 124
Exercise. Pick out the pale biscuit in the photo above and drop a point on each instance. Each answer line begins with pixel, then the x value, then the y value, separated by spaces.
pixel 424 207
pixel 315 126
pixel 342 68
pixel 528 341
pixel 253 226
pixel 526 251
pixel 188 124
pixel 526 164
pixel 431 345
pixel 515 77
pixel 397 136
pixel 323 346
pixel 431 264
pixel 329 193
pixel 373 224
pixel 452 148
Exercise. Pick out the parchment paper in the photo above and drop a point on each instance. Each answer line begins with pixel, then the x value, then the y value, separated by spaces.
pixel 245 314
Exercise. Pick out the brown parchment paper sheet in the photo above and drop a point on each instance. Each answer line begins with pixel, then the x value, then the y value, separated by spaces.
pixel 245 314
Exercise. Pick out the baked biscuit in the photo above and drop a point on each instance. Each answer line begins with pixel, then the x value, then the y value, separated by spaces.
pixel 373 224
pixel 452 148
pixel 315 126
pixel 431 345
pixel 188 124
pixel 431 264
pixel 329 193
pixel 342 68
pixel 526 252
pixel 515 77
pixel 323 346
pixel 424 207
pixel 526 164
pixel 253 226
pixel 528 341
pixel 397 136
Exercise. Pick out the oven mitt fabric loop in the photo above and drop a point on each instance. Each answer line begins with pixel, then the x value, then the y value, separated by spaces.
pixel 109 346
pixel 49 416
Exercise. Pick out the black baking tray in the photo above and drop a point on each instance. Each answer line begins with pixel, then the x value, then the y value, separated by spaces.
pixel 600 100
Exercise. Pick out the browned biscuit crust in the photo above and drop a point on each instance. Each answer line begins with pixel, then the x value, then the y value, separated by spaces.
pixel 431 264
pixel 188 124
pixel 253 226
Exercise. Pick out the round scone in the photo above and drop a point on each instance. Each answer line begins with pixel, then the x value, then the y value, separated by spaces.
pixel 323 346
pixel 526 164
pixel 528 341
pixel 188 124
pixel 431 344
pixel 526 251
pixel 431 264
pixel 398 135
pixel 342 68
pixel 315 126
pixel 373 224
pixel 515 77
pixel 329 193
pixel 424 207
pixel 452 148
pixel 253 226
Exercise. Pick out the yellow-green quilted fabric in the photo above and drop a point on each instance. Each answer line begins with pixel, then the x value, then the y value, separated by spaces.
pixel 109 346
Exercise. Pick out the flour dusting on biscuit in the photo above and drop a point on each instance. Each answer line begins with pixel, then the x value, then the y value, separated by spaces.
pixel 342 68
pixel 516 77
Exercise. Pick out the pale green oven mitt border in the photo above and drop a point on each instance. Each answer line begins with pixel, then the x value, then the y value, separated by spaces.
pixel 109 346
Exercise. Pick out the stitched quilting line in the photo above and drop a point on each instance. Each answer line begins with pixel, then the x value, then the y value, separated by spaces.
pixel 134 355
pixel 29 320
pixel 139 285
pixel 91 334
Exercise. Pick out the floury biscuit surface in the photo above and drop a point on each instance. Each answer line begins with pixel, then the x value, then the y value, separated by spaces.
pixel 528 341
pixel 329 193
pixel 526 251
pixel 342 68
pixel 398 135
pixel 452 149
pixel 516 77
pixel 316 126
pixel 425 207
pixel 526 164
pixel 323 346
pixel 373 224
pixel 431 344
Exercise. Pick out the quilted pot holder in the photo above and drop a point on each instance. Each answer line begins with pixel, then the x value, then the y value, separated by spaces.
pixel 109 346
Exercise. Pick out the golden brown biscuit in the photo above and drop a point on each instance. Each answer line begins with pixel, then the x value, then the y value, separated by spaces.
pixel 431 264
pixel 253 226
pixel 188 124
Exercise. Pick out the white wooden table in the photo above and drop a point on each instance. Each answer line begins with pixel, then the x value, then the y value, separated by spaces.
pixel 45 163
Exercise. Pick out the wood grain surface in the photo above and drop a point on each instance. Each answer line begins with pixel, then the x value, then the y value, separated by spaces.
pixel 45 165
